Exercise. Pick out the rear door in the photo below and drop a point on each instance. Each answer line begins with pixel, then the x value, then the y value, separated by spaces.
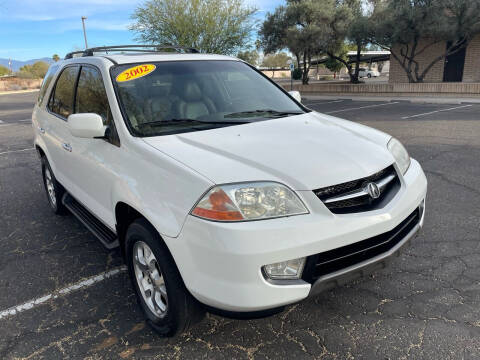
pixel 93 159
pixel 56 134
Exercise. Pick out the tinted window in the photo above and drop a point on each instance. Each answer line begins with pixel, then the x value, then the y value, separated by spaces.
pixel 184 96
pixel 61 102
pixel 91 94
pixel 46 82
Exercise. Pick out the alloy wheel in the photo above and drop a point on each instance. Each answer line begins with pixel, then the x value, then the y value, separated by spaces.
pixel 50 187
pixel 150 279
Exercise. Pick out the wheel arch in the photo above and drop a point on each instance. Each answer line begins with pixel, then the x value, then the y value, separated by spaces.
pixel 125 214
pixel 42 152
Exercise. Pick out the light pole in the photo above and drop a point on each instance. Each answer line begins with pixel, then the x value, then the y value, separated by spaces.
pixel 84 32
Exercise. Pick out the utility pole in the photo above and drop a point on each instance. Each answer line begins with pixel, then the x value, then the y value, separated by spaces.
pixel 292 67
pixel 84 32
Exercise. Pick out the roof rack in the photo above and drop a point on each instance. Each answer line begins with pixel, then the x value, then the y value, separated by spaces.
pixel 70 55
pixel 132 48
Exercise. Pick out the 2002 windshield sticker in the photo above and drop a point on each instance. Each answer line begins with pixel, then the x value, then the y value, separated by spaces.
pixel 135 72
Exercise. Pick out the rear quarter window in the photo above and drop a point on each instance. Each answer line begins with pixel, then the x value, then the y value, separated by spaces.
pixel 52 70
pixel 61 101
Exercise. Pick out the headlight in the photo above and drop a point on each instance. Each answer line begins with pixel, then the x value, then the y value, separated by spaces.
pixel 249 201
pixel 400 154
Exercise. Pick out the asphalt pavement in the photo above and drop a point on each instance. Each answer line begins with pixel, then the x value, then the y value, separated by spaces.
pixel 62 295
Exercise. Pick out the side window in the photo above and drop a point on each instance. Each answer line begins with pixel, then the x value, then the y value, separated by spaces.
pixel 91 94
pixel 61 101
pixel 46 82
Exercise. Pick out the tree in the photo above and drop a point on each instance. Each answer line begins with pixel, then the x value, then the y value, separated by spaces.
pixel 408 28
pixel 250 57
pixel 55 57
pixel 275 61
pixel 334 65
pixel 211 26
pixel 302 27
pixel 351 28
pixel 37 70
pixel 4 70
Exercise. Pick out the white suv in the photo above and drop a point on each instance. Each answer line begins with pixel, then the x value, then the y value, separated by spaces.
pixel 222 190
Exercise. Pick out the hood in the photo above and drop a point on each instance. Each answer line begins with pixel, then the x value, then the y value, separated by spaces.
pixel 305 152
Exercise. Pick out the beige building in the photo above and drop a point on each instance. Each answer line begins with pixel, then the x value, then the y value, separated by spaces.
pixel 464 66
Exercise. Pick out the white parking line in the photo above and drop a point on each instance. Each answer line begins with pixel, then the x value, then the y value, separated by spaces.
pixel 3 123
pixel 14 310
pixel 436 111
pixel 14 151
pixel 362 107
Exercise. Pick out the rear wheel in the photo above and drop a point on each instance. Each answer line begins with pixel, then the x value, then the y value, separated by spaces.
pixel 166 303
pixel 53 189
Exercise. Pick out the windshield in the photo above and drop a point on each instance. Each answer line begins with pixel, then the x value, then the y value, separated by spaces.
pixel 161 98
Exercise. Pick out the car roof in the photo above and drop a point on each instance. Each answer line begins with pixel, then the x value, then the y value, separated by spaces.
pixel 155 57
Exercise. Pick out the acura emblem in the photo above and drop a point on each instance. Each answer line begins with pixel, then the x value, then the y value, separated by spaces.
pixel 373 190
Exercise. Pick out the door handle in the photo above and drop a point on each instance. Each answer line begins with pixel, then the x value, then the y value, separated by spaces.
pixel 42 130
pixel 67 147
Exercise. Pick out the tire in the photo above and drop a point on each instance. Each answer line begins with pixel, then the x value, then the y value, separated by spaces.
pixel 165 301
pixel 53 189
pixel 369 76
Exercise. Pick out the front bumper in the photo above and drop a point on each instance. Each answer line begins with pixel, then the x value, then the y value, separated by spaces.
pixel 366 267
pixel 220 263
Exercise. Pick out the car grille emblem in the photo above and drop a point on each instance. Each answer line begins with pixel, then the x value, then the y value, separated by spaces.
pixel 373 190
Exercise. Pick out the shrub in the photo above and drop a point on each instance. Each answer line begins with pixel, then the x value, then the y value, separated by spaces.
pixel 297 74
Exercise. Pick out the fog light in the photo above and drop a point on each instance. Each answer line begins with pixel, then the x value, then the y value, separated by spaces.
pixel 291 269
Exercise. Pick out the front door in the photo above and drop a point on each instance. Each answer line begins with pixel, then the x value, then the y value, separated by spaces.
pixel 92 160
pixel 454 64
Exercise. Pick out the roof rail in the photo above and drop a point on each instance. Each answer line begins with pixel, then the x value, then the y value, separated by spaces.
pixel 70 54
pixel 132 48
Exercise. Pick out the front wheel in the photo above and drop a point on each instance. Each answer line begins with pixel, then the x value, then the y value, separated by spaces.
pixel 369 76
pixel 166 303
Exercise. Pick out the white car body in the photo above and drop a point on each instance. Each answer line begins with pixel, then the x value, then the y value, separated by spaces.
pixel 164 177
pixel 368 73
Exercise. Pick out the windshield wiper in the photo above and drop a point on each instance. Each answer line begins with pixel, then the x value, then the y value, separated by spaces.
pixel 263 111
pixel 186 120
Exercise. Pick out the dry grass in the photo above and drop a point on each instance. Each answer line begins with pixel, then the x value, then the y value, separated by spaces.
pixel 15 84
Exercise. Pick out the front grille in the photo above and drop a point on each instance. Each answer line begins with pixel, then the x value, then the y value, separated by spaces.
pixel 352 195
pixel 345 256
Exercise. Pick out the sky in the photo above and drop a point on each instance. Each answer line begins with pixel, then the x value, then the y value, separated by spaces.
pixel 31 29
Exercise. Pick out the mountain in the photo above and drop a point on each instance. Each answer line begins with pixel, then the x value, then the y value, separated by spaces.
pixel 17 64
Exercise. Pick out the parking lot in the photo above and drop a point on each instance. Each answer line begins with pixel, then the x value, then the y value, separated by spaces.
pixel 62 295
